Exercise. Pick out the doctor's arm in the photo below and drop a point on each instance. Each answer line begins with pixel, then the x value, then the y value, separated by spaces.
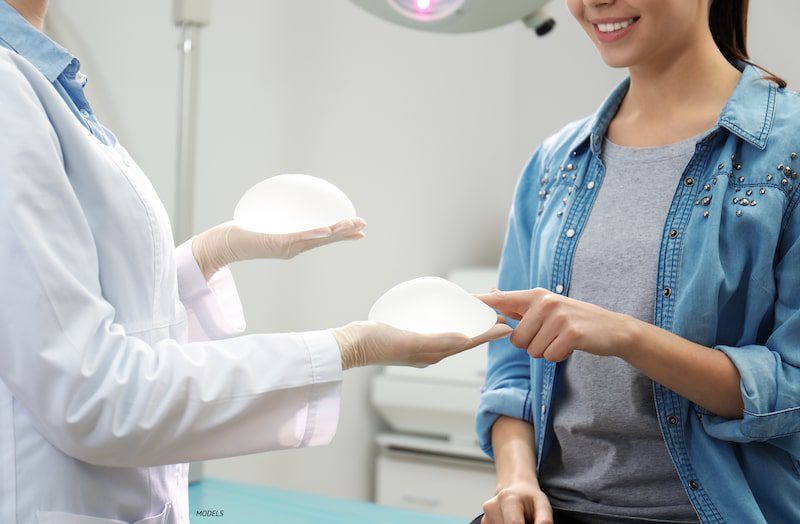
pixel 205 282
pixel 109 398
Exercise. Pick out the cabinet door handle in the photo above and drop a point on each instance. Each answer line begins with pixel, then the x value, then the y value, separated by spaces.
pixel 420 501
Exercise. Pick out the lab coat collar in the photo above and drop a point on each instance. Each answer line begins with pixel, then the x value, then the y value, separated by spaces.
pixel 748 114
pixel 33 45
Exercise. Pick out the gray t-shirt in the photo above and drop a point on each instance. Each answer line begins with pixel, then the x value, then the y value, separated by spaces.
pixel 608 457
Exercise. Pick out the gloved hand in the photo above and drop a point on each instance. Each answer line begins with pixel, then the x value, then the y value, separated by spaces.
pixel 367 343
pixel 228 243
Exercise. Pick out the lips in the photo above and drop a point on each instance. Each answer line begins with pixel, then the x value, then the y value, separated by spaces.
pixel 613 29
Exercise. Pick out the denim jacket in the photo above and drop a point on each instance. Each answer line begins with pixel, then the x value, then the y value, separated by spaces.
pixel 728 278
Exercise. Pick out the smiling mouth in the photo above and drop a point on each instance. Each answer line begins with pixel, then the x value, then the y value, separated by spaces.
pixel 616 26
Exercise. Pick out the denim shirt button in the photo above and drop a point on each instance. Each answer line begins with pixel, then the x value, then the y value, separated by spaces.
pixel 673 233
pixel 667 291
pixel 672 419
pixel 559 288
pixel 689 181
pixel 570 233
pixel 694 485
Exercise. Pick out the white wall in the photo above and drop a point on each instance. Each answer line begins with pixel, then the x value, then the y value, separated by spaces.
pixel 426 134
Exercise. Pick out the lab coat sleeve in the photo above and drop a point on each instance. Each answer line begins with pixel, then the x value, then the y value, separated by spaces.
pixel 213 308
pixel 95 392
pixel 770 373
pixel 506 391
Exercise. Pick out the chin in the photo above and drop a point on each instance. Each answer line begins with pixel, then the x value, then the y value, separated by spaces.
pixel 617 59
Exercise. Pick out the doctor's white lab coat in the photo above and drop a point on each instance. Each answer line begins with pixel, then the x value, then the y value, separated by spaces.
pixel 103 398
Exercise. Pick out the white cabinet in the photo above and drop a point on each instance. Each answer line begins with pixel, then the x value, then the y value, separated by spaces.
pixel 425 482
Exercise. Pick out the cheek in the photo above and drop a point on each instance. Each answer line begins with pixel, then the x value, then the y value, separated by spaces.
pixel 576 8
pixel 671 22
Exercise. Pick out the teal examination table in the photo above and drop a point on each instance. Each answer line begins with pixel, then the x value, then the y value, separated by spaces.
pixel 214 501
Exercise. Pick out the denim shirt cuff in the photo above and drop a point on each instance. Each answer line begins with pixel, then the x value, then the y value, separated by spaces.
pixel 508 402
pixel 763 417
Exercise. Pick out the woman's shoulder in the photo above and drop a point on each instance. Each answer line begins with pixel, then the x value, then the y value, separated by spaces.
pixel 567 138
pixel 561 145
pixel 787 114
pixel 556 153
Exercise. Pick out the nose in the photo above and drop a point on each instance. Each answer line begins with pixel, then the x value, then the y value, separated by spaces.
pixel 598 3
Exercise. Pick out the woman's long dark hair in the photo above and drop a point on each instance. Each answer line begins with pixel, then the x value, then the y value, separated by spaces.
pixel 728 23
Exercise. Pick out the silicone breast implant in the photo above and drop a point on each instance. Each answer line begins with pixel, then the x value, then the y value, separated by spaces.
pixel 433 305
pixel 292 203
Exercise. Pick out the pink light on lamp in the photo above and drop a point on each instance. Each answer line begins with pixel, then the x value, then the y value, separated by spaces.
pixel 423 5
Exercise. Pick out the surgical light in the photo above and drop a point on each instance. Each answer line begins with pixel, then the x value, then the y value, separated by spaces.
pixel 459 16
pixel 426 10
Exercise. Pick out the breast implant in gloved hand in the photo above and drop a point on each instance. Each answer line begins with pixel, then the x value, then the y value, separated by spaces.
pixel 280 217
pixel 292 203
pixel 433 305
pixel 418 323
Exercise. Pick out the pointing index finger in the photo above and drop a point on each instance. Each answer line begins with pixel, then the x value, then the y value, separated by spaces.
pixel 513 304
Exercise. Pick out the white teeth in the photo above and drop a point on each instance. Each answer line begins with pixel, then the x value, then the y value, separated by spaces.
pixel 616 26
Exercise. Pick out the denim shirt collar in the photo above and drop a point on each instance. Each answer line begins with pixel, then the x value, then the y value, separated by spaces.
pixel 748 113
pixel 47 56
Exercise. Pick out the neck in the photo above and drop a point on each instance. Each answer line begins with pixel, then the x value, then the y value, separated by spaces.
pixel 698 81
pixel 31 10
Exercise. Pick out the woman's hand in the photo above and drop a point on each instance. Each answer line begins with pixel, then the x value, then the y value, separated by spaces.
pixel 367 343
pixel 552 326
pixel 228 243
pixel 518 503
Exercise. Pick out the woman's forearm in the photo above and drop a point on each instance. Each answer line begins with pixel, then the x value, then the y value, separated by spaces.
pixel 704 375
pixel 512 440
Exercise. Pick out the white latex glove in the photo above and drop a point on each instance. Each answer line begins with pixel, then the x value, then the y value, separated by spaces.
pixel 227 243
pixel 367 343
